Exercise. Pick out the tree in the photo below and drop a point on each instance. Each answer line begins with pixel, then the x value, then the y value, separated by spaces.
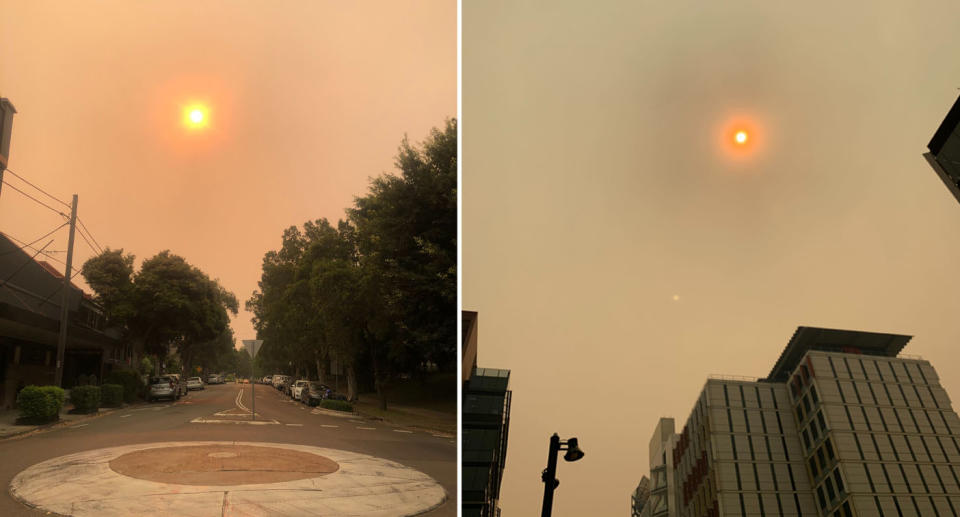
pixel 168 302
pixel 378 290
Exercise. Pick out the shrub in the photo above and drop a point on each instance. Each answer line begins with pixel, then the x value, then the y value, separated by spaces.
pixel 131 381
pixel 336 405
pixel 40 404
pixel 85 399
pixel 111 395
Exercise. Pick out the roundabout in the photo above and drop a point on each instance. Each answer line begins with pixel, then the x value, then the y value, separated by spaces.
pixel 225 478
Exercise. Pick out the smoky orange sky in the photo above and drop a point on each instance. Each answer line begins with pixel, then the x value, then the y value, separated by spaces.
pixel 306 99
pixel 618 251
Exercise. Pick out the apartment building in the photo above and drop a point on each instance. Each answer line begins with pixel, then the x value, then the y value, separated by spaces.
pixel 843 425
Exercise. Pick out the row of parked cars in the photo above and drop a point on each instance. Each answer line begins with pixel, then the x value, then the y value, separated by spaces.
pixel 303 390
pixel 171 386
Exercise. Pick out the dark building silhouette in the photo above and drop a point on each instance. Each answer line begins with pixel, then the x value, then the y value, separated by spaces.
pixel 30 298
pixel 944 155
pixel 486 422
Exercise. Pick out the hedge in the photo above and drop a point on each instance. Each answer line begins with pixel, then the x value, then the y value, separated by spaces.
pixel 336 405
pixel 85 399
pixel 40 404
pixel 111 395
pixel 131 381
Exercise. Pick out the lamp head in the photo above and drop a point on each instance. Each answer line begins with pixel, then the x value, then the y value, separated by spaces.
pixel 573 450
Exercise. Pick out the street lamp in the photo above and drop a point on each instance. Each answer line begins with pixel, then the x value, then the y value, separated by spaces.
pixel 549 476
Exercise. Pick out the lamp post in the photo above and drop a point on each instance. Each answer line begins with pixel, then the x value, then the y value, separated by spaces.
pixel 549 476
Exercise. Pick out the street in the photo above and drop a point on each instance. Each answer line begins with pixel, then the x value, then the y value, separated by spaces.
pixel 220 414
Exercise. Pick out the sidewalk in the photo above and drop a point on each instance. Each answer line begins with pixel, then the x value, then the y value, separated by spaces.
pixel 10 428
pixel 368 406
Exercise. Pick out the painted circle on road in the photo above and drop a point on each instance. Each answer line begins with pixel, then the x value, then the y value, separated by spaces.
pixel 99 482
pixel 218 465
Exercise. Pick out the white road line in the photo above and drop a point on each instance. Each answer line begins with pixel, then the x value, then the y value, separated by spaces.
pixel 402 431
pixel 368 428
pixel 125 416
pixel 80 425
pixel 294 425
pixel 251 422
pixel 328 425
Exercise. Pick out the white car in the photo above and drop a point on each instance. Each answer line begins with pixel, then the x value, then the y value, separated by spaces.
pixel 297 388
pixel 194 383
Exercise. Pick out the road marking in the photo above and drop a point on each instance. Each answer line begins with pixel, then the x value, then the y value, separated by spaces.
pixel 358 421
pixel 80 425
pixel 125 416
pixel 368 428
pixel 294 425
pixel 328 425
pixel 201 420
pixel 402 431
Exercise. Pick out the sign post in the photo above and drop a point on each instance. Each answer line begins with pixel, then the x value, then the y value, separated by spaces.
pixel 253 346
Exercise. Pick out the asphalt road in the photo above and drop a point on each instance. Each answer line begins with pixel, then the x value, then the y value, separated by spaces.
pixel 195 418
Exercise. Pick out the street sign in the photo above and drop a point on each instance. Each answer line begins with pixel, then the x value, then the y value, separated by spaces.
pixel 252 346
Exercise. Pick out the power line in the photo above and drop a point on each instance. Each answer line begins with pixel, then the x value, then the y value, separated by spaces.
pixel 84 237
pixel 51 196
pixel 38 239
pixel 99 248
pixel 45 253
pixel 31 259
pixel 7 183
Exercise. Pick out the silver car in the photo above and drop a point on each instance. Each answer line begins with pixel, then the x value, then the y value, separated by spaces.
pixel 163 386
pixel 194 383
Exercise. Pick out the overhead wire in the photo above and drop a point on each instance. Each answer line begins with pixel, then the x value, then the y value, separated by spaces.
pixel 31 259
pixel 45 253
pixel 38 239
pixel 89 234
pixel 7 183
pixel 51 196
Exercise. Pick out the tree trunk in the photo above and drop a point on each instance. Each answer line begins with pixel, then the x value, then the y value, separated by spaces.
pixel 351 383
pixel 319 367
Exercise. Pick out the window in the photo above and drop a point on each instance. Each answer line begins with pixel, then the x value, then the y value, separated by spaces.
pixel 838 480
pixel 823 423
pixel 806 403
pixel 831 493
pixel 813 467
pixel 829 447
pixel 823 461
pixel 813 394
pixel 806 439
pixel 823 502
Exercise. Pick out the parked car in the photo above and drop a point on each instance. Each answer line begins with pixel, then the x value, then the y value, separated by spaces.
pixel 213 379
pixel 266 379
pixel 297 387
pixel 181 385
pixel 163 386
pixel 280 381
pixel 313 393
pixel 194 383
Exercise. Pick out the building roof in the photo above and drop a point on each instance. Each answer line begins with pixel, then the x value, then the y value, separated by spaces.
pixel 833 340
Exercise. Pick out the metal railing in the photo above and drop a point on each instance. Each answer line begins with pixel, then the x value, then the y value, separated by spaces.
pixel 724 377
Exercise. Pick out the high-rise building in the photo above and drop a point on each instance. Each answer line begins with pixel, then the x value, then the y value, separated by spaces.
pixel 844 425
pixel 640 496
pixel 485 426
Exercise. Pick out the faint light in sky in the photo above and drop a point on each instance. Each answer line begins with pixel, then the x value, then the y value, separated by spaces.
pixel 741 137
pixel 676 297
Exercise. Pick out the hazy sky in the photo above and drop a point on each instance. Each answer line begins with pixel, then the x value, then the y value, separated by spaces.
pixel 618 253
pixel 307 99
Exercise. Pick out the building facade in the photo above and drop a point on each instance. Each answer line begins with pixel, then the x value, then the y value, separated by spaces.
pixel 30 301
pixel 843 426
pixel 640 497
pixel 485 428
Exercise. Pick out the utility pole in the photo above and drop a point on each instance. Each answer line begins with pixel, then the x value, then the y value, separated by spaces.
pixel 64 313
